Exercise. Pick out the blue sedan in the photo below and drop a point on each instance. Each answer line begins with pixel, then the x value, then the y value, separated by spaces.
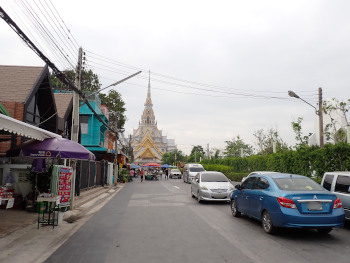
pixel 287 200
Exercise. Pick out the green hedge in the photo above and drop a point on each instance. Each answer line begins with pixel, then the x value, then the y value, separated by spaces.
pixel 302 161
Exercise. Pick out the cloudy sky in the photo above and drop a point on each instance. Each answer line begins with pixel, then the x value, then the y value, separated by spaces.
pixel 218 68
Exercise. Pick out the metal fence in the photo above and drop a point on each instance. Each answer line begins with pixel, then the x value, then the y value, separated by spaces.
pixel 90 174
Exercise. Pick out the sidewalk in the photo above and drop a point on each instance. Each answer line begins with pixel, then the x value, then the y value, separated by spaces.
pixel 21 240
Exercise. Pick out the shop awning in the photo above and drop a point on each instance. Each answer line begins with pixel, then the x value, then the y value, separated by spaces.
pixel 24 129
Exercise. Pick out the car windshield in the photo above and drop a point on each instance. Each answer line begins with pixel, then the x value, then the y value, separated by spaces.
pixel 175 170
pixel 213 177
pixel 297 184
pixel 196 169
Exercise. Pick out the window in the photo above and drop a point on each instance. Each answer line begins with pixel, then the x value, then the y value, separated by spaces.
pixel 196 169
pixel 327 183
pixel 343 184
pixel 214 177
pixel 261 183
pixel 248 183
pixel 84 124
pixel 297 184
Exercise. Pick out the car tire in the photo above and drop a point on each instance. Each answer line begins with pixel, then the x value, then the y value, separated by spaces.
pixel 324 231
pixel 267 223
pixel 234 210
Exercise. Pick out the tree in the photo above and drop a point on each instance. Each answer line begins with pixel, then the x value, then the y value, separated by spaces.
pixel 197 153
pixel 265 141
pixel 89 80
pixel 173 157
pixel 216 153
pixel 115 105
pixel 233 148
pixel 334 130
pixel 301 140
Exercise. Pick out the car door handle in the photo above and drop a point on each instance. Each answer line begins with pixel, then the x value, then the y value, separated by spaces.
pixel 261 198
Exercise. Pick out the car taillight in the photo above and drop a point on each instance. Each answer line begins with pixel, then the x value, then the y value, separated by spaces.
pixel 337 203
pixel 285 202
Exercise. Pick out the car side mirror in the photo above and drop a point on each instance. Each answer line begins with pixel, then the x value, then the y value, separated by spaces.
pixel 238 186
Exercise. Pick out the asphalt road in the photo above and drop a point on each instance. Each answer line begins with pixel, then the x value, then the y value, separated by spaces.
pixel 159 221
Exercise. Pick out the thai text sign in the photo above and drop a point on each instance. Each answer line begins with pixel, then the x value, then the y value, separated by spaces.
pixel 64 185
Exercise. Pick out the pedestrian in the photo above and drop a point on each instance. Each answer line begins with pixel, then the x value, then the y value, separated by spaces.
pixel 166 174
pixel 141 174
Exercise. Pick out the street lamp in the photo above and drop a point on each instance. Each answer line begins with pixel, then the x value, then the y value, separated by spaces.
pixel 318 111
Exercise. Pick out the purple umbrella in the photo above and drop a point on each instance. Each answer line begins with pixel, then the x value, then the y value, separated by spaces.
pixel 52 148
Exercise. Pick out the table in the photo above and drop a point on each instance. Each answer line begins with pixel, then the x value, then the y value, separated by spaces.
pixel 45 212
pixel 10 201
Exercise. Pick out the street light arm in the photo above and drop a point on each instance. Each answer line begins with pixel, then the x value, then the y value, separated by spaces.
pixel 294 95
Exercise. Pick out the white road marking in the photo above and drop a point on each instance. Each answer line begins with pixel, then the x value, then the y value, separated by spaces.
pixel 177 187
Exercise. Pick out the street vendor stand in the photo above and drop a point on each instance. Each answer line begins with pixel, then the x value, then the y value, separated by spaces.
pixel 48 210
pixel 60 148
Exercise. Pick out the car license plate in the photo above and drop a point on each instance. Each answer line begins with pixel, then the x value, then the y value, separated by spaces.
pixel 314 206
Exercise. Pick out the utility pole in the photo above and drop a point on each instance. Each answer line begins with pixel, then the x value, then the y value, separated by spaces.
pixel 320 115
pixel 75 114
pixel 75 118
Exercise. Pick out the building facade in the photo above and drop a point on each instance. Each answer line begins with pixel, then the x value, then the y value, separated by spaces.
pixel 147 141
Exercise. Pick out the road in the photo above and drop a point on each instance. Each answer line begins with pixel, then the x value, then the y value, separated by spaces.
pixel 159 221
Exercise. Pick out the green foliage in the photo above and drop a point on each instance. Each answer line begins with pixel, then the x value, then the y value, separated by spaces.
pixel 301 139
pixel 304 160
pixel 174 157
pixel 197 154
pixel 116 106
pixel 264 141
pixel 333 108
pixel 89 80
pixel 233 148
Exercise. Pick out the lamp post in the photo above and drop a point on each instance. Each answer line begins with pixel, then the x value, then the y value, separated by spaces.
pixel 318 111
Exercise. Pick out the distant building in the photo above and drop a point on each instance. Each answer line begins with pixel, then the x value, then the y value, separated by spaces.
pixel 147 140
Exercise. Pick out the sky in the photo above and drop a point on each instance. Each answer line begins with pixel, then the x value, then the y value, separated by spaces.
pixel 218 70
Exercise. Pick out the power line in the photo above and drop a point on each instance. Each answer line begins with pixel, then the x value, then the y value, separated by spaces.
pixel 57 72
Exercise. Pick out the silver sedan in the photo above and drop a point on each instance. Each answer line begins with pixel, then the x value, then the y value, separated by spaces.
pixel 211 186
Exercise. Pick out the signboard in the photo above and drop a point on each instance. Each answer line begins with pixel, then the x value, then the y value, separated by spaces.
pixel 65 185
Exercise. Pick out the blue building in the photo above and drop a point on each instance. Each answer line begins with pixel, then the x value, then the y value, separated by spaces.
pixel 93 133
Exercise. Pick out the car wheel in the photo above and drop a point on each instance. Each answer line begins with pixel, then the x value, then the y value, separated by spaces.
pixel 324 231
pixel 267 223
pixel 234 210
pixel 198 198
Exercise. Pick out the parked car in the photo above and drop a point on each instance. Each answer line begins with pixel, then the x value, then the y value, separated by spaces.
pixel 175 173
pixel 211 186
pixel 190 170
pixel 256 172
pixel 339 184
pixel 287 200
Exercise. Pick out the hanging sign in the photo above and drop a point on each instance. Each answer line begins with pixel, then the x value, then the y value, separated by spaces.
pixel 64 185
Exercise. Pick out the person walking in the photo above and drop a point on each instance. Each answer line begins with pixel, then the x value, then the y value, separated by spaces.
pixel 141 175
pixel 166 174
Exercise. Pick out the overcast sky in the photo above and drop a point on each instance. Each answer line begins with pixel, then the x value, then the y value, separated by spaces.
pixel 236 60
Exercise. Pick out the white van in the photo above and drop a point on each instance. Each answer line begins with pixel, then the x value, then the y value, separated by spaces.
pixel 339 184
pixel 190 171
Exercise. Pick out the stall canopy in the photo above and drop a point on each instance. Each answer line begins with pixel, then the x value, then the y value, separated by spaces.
pixel 151 165
pixel 52 148
pixel 24 129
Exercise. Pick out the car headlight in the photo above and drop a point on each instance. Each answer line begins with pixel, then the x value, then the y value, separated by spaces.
pixel 231 188
pixel 203 187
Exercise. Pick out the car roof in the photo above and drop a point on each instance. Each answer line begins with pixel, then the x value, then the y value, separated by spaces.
pixel 339 173
pixel 275 175
pixel 210 172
